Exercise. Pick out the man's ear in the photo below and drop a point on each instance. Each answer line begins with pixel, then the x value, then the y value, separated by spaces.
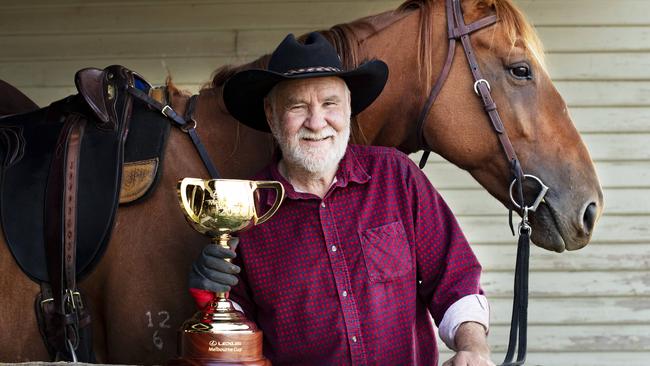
pixel 348 95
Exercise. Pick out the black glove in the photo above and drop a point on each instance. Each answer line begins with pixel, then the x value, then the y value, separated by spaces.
pixel 211 272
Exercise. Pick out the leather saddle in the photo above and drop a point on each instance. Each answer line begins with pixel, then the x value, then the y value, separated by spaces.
pixel 119 162
pixel 61 181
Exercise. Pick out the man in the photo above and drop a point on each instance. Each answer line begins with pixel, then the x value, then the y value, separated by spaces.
pixel 363 251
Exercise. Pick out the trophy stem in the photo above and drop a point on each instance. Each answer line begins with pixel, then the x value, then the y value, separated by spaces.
pixel 222 240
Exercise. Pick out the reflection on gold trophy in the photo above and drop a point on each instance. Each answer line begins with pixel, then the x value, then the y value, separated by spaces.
pixel 221 335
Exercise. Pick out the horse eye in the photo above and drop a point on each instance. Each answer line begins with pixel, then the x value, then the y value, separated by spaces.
pixel 521 72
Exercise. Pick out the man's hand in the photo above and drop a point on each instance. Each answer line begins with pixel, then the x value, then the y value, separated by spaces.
pixel 465 358
pixel 212 272
pixel 472 346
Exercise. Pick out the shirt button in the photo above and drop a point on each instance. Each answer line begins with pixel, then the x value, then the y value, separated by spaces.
pixel 334 248
pixel 322 204
pixel 354 339
pixel 345 293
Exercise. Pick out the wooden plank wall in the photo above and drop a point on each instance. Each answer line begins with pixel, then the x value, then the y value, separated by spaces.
pixel 590 307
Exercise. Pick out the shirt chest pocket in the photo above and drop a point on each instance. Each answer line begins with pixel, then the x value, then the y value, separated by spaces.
pixel 386 252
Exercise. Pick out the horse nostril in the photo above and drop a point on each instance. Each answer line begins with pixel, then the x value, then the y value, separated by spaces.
pixel 589 218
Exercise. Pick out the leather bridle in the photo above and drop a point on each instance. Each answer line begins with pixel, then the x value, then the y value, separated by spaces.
pixel 457 30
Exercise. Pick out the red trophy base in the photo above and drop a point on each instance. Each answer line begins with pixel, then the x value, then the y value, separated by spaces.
pixel 220 335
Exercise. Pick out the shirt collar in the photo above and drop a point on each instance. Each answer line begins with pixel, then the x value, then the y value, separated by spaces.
pixel 349 170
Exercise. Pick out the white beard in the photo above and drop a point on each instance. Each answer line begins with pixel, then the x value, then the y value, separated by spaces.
pixel 313 160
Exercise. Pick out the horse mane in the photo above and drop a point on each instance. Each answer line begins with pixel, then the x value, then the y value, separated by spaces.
pixel 347 37
pixel 338 35
pixel 225 72
pixel 512 22
pixel 515 26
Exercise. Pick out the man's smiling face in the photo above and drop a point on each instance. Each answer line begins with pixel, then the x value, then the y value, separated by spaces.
pixel 310 119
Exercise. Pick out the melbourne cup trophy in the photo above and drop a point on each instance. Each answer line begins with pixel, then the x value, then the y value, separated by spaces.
pixel 220 334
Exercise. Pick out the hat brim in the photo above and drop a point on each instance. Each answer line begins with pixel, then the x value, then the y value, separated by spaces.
pixel 245 91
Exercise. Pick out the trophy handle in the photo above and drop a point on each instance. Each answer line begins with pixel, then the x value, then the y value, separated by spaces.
pixel 279 190
pixel 188 209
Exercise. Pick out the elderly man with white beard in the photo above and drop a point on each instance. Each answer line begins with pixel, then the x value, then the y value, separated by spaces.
pixel 364 252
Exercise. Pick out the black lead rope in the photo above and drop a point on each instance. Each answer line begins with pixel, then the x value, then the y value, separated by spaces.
pixel 519 322
pixel 186 125
pixel 424 158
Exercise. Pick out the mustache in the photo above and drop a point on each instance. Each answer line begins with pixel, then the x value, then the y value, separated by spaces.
pixel 326 132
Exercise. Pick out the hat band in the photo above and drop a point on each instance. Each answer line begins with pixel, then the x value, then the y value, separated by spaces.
pixel 312 69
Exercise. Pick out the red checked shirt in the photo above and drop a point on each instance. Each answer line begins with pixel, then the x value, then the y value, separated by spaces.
pixel 351 279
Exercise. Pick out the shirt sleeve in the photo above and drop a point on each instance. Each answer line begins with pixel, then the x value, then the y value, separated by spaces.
pixel 471 308
pixel 447 269
pixel 201 297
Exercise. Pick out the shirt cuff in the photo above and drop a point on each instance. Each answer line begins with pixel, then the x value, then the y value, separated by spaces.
pixel 203 297
pixel 471 308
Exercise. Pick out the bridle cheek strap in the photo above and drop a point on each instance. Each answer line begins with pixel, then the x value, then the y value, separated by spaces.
pixel 481 86
pixel 519 321
pixel 454 32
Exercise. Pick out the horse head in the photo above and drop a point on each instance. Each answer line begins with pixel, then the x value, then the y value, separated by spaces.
pixel 457 127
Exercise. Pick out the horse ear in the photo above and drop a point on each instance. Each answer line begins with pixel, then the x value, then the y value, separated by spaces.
pixel 173 90
pixel 484 4
pixel 477 9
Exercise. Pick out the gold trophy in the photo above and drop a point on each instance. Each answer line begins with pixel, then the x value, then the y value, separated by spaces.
pixel 220 334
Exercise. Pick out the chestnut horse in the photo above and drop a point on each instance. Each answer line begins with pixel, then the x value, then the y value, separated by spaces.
pixel 138 291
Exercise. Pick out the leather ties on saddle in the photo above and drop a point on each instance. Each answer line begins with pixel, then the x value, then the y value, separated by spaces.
pixel 61 180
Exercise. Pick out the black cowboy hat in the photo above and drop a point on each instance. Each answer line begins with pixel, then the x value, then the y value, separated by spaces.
pixel 244 92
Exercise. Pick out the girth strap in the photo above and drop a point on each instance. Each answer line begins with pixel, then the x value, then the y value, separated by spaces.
pixel 63 182
pixel 65 316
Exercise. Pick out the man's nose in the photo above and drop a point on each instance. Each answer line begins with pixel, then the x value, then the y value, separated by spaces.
pixel 315 121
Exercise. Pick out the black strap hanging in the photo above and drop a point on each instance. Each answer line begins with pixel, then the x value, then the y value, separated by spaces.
pixel 186 125
pixel 519 321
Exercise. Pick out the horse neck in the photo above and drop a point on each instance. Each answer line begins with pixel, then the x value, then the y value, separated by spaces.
pixel 392 119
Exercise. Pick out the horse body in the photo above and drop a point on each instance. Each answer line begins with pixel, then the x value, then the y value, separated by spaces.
pixel 138 291
pixel 13 100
